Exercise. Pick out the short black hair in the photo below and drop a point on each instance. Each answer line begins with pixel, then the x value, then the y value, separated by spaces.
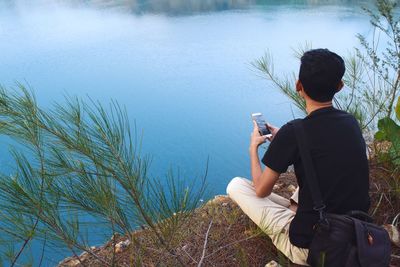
pixel 320 73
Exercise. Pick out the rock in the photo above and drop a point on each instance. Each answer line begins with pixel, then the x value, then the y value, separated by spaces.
pixel 394 234
pixel 118 249
pixel 83 255
pixel 291 188
pixel 75 262
pixel 70 263
pixel 277 187
pixel 272 264
pixel 122 245
pixel 218 199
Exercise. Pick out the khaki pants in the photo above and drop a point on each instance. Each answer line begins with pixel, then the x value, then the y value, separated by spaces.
pixel 271 214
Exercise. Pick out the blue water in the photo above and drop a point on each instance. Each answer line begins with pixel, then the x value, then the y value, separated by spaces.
pixel 184 74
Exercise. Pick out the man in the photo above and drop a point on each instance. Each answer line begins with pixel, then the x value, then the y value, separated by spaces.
pixel 338 153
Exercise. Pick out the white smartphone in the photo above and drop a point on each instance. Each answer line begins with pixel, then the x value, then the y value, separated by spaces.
pixel 261 123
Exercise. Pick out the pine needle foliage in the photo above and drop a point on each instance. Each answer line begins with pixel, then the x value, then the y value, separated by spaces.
pixel 372 75
pixel 77 168
pixel 286 85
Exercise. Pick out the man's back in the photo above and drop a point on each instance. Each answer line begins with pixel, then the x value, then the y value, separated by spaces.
pixel 337 150
pixel 339 157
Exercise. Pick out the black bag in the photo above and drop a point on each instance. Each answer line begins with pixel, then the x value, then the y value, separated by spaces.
pixel 350 240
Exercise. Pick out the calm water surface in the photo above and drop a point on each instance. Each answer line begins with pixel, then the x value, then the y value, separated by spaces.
pixel 183 72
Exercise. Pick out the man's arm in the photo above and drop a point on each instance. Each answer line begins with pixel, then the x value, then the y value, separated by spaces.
pixel 263 180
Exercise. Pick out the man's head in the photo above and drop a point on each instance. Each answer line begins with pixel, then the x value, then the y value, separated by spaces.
pixel 321 73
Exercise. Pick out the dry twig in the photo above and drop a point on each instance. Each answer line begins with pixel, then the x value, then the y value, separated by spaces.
pixel 205 245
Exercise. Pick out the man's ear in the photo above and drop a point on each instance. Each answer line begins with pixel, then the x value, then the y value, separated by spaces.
pixel 340 86
pixel 299 86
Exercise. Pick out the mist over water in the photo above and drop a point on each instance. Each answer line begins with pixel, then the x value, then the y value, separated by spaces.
pixel 182 69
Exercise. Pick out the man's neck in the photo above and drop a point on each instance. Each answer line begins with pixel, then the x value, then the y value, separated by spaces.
pixel 312 105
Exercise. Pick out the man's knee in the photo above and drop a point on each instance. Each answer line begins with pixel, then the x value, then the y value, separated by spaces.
pixel 234 185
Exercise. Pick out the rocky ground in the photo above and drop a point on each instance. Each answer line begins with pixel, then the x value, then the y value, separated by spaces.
pixel 219 234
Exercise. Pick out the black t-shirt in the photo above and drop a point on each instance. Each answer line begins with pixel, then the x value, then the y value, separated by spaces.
pixel 338 153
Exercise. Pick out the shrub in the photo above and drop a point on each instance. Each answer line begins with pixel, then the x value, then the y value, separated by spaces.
pixel 78 167
pixel 389 131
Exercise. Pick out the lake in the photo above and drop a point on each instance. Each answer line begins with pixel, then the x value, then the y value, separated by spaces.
pixel 181 68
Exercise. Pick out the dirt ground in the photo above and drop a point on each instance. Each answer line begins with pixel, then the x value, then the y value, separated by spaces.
pixel 219 234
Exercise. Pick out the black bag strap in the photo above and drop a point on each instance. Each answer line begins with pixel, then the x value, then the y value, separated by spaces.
pixel 309 167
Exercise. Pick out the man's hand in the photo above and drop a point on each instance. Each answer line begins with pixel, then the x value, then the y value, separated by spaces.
pixel 274 130
pixel 256 138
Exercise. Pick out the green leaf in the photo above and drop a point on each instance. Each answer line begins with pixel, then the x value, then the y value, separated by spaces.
pixel 388 130
pixel 394 151
pixel 380 136
pixel 397 109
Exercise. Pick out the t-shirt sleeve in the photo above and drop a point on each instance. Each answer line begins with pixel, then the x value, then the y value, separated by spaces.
pixel 282 151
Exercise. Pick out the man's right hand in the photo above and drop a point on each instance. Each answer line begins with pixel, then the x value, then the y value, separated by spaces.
pixel 256 139
pixel 274 130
